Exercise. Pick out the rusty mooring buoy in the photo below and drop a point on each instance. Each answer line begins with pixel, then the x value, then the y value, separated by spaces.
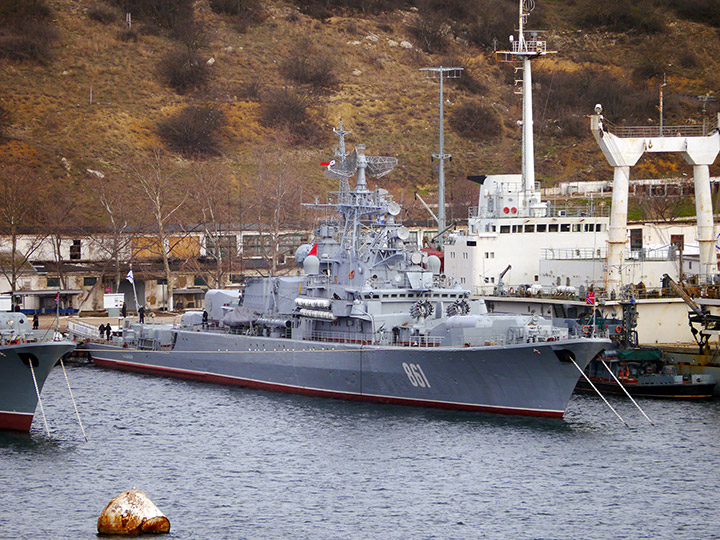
pixel 132 512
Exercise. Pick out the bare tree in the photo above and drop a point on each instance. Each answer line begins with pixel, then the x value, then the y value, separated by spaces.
pixel 216 206
pixel 276 191
pixel 61 218
pixel 120 212
pixel 20 197
pixel 159 183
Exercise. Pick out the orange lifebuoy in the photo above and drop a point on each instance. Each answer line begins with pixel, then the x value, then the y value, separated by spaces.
pixel 618 329
pixel 511 291
pixel 586 329
pixel 351 274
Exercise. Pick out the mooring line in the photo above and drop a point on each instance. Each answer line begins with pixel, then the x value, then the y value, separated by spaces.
pixel 72 398
pixel 598 392
pixel 37 391
pixel 626 392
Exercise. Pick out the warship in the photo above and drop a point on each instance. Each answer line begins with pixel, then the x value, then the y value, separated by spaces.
pixel 370 318
pixel 26 360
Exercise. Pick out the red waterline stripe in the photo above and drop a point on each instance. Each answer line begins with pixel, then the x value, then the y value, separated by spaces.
pixel 15 421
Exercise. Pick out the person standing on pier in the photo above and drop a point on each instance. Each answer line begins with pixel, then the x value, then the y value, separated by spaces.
pixel 101 329
pixel 108 332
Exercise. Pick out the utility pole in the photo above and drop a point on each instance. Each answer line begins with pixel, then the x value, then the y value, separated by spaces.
pixel 441 73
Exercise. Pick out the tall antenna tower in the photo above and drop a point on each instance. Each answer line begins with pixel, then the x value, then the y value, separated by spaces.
pixel 441 73
pixel 524 50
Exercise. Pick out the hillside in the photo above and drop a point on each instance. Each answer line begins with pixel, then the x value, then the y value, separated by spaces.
pixel 98 97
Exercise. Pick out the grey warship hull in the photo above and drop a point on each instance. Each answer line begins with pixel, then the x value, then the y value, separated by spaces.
pixel 18 396
pixel 535 380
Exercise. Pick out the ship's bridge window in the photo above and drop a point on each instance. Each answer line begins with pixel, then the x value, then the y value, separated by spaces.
pixel 553 227
pixel 504 229
pixel 589 227
pixel 517 228
pixel 471 243
pixel 577 227
pixel 541 227
pixel 530 228
pixel 598 227
pixel 564 227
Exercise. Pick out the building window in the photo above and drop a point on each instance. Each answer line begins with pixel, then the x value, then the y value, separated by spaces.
pixel 221 246
pixel 53 283
pixel 636 242
pixel 162 281
pixel 236 278
pixel 471 243
pixel 200 281
pixel 75 250
pixel 89 281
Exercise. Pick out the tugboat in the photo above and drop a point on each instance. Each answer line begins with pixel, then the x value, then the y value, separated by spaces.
pixel 370 319
pixel 26 360
pixel 641 371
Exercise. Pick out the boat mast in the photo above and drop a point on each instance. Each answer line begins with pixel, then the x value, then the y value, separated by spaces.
pixel 523 52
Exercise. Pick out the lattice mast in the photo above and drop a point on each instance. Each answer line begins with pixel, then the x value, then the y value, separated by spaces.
pixel 524 50
pixel 441 73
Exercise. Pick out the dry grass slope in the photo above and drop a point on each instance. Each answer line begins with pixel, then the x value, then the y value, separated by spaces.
pixel 100 99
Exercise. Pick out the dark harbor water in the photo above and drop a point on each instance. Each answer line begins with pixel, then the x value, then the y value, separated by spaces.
pixel 229 463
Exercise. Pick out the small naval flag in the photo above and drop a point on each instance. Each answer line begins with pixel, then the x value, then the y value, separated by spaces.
pixel 129 277
pixel 590 298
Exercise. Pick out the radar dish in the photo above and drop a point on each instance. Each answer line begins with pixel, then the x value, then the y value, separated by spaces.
pixel 344 169
pixel 393 208
pixel 403 234
pixel 378 166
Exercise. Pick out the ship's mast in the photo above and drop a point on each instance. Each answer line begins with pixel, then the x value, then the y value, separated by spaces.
pixel 441 73
pixel 523 51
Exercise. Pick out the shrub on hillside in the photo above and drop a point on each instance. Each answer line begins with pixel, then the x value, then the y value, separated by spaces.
pixel 474 120
pixel 27 32
pixel 491 24
pixel 5 120
pixel 565 96
pixel 703 11
pixel 184 70
pixel 308 65
pixel 431 32
pixel 245 12
pixel 102 14
pixel 288 109
pixel 194 131
pixel 324 9
pixel 621 16
pixel 190 32
pixel 162 13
